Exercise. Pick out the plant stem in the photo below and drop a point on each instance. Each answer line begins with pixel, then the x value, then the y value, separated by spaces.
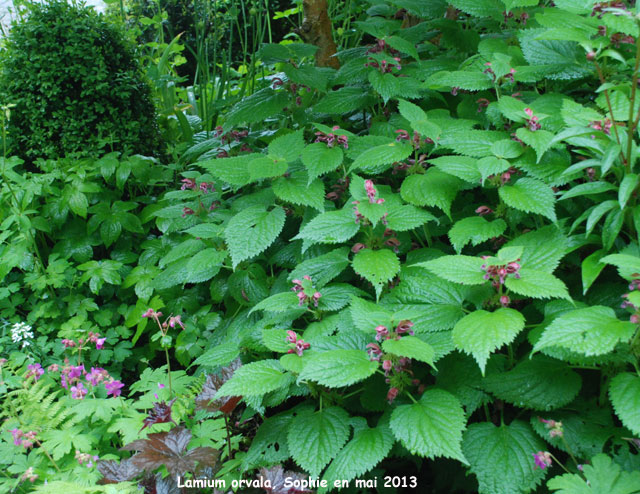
pixel 613 120
pixel 166 352
pixel 634 87
pixel 226 424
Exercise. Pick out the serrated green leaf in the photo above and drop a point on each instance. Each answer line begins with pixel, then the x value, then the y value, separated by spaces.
pixel 255 379
pixel 402 218
pixel 266 167
pixel 280 302
pixel 626 264
pixel 255 108
pixel 322 269
pixel 591 268
pixel 602 475
pixel 219 355
pixel 319 159
pixel 204 265
pixel 367 448
pixel 434 188
pixel 463 167
pixel 475 230
pixel 541 249
pixel 459 269
pixel 537 284
pixel 624 391
pixel 627 186
pixel 591 331
pixel 376 266
pixel 463 79
pixel 411 347
pixel 506 149
pixel 432 427
pixel 287 147
pixel 418 120
pixel 344 100
pixel 332 227
pixel 531 196
pixel 386 85
pixel 338 368
pixel 366 316
pixel 480 332
pixel 501 457
pixel 540 383
pixel 231 170
pixel 252 230
pixel 314 438
pixel 297 190
pixel 379 158
pixel 539 140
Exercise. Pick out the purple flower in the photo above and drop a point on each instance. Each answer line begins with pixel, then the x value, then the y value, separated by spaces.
pixel 292 337
pixel 405 327
pixel 381 332
pixel 35 371
pixel 113 388
pixel 542 459
pixel 100 343
pixel 76 372
pixel 173 321
pixel 17 435
pixel 78 391
pixel 97 375
pixel 374 351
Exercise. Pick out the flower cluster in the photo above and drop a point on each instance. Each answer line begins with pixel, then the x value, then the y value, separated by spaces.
pixel 489 71
pixel 522 19
pixel 71 375
pixel 300 344
pixel 332 138
pixel 233 135
pixel 627 304
pixel 29 475
pixel 384 66
pixel 92 338
pixel 372 193
pixel 302 288
pixel 554 427
pixel 24 439
pixel 542 459
pixel 380 46
pixel 86 458
pixel 532 121
pixel 499 273
pixel 35 371
pixel 603 125
pixel 403 135
pixel 169 322
pixel 21 332
pixel 403 327
pixel 190 183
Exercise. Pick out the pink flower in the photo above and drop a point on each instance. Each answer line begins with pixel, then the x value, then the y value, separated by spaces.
pixel 78 391
pixel 374 351
pixel 35 371
pixel 532 121
pixel 504 301
pixel 381 332
pixel 392 394
pixel 358 247
pixel 76 372
pixel 292 337
pixel 542 459
pixel 405 327
pixel 173 321
pixel 113 388
pixel 188 183
pixel 187 211
pixel 97 375
pixel 301 346
pixel 160 386
pixel 17 435
pixel 67 343
pixel 100 343
pixel 484 210
pixel 387 365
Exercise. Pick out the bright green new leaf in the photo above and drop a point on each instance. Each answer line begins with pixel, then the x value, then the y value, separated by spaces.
pixel 624 391
pixel 411 347
pixel 338 368
pixel 531 196
pixel 591 331
pixel 537 284
pixel 256 379
pixel 376 266
pixel 315 438
pixel 482 332
pixel 475 230
pixel 332 227
pixel 253 230
pixel 602 475
pixel 319 159
pixel 459 269
pixel 432 427
pixel 297 189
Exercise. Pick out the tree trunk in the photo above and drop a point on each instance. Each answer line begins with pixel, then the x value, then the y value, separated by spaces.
pixel 316 29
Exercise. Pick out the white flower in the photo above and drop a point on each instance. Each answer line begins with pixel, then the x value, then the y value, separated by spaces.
pixel 21 332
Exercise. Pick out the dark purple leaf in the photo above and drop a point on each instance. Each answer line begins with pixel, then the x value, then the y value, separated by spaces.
pixel 206 400
pixel 276 476
pixel 114 472
pixel 159 414
pixel 169 449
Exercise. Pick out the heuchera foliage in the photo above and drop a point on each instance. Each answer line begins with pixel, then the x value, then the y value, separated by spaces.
pixel 425 263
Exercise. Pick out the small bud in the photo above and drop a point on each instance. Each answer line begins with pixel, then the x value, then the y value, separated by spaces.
pixel 591 56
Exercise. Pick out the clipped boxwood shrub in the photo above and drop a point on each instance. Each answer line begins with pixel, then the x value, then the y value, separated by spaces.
pixel 76 86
